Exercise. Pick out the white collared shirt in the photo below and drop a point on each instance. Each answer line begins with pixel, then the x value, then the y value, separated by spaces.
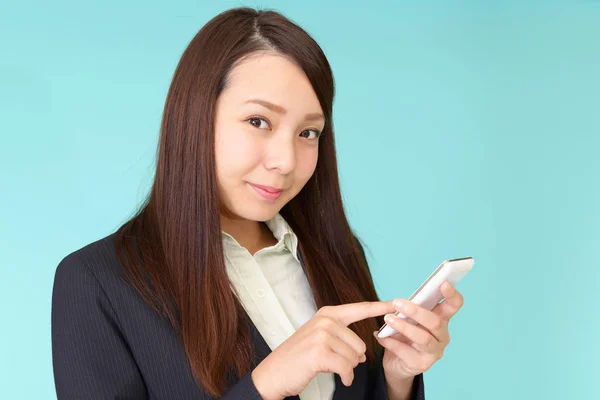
pixel 275 292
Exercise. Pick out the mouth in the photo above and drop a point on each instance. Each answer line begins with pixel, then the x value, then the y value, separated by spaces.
pixel 267 192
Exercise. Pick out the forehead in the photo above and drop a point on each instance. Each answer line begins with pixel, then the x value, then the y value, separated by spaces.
pixel 274 78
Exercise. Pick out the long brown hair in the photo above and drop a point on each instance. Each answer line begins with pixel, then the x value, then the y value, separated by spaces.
pixel 171 249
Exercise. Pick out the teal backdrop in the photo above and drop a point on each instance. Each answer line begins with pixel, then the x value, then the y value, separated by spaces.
pixel 463 129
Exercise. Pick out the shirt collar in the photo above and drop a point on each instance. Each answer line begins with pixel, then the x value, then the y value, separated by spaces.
pixel 281 230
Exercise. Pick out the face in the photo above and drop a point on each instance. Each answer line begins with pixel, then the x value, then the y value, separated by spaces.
pixel 267 126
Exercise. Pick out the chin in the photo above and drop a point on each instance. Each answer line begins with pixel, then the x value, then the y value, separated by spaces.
pixel 262 212
pixel 255 211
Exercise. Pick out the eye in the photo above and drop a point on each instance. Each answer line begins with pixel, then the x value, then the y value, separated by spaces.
pixel 256 122
pixel 317 134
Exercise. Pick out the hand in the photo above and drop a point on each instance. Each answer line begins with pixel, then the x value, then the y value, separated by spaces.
pixel 415 348
pixel 323 344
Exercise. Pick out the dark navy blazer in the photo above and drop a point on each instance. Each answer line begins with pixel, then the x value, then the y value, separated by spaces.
pixel 107 343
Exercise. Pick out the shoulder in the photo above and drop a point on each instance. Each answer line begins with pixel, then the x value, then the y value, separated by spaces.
pixel 94 267
pixel 97 256
pixel 92 350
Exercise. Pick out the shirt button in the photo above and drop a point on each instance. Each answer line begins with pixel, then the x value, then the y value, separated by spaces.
pixel 260 293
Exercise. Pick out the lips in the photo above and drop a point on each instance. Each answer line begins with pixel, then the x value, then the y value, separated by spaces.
pixel 268 188
pixel 267 192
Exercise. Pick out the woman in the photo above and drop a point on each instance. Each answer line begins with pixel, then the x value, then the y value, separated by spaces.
pixel 239 277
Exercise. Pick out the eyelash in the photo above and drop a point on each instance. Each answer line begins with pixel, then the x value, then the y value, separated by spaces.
pixel 318 132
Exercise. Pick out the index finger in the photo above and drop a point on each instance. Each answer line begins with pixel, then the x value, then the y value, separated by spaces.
pixel 353 312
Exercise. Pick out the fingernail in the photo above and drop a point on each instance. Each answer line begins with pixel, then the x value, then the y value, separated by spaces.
pixel 388 318
pixel 398 303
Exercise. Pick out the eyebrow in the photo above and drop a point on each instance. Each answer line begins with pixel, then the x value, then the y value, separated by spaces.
pixel 281 110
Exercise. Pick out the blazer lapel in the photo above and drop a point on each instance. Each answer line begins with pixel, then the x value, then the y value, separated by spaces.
pixel 343 392
pixel 262 350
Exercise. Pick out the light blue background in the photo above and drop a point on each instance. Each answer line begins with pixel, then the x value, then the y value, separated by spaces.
pixel 463 129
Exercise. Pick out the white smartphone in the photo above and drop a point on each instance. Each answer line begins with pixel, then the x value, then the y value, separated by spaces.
pixel 428 295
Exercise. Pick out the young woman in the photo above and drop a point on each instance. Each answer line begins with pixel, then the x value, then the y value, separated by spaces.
pixel 239 277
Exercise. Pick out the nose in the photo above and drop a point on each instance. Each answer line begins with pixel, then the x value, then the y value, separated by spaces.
pixel 281 153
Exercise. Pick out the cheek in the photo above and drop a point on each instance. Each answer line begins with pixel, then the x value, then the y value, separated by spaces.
pixel 235 154
pixel 306 166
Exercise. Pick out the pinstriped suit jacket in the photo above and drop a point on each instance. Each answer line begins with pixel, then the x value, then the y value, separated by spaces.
pixel 107 343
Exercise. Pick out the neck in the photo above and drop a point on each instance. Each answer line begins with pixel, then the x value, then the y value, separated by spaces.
pixel 247 233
